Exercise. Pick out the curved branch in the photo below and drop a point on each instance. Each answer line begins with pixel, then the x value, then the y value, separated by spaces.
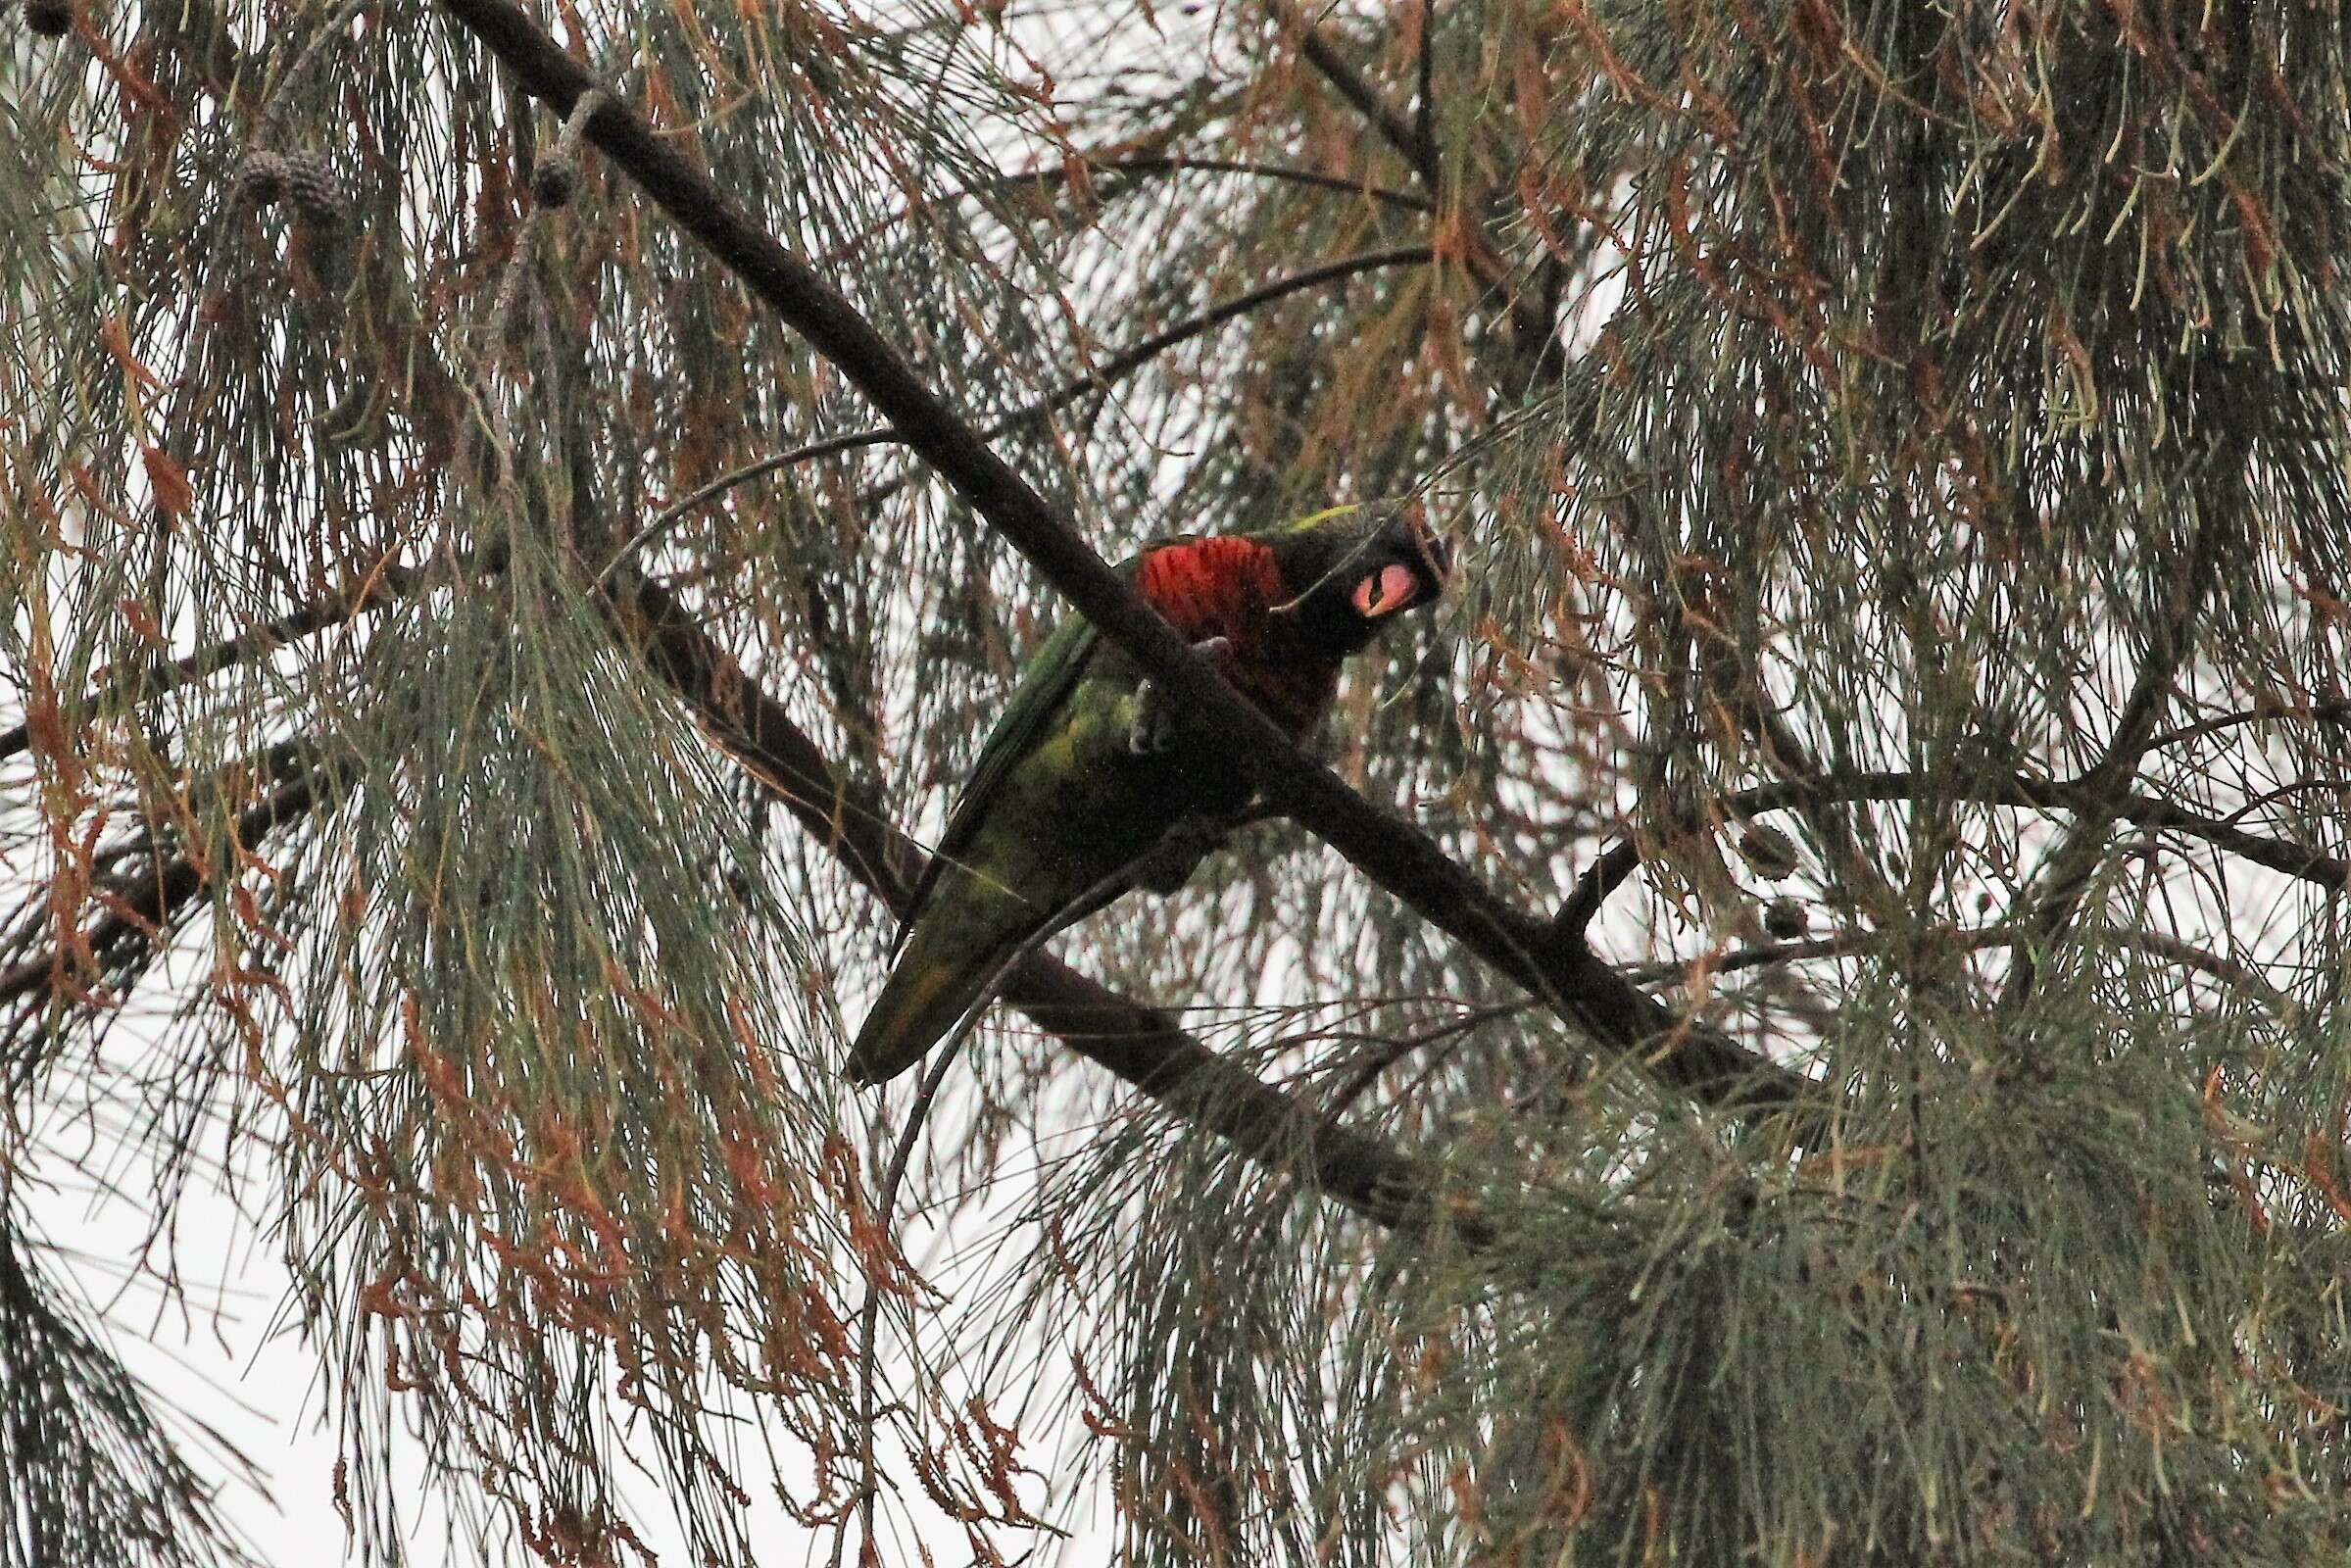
pixel 830 446
pixel 1112 371
pixel 1178 163
pixel 2326 712
pixel 1571 979
pixel 1600 879
pixel 1624 857
pixel 1132 358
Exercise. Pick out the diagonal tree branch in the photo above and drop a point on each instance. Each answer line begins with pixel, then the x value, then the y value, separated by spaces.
pixel 1571 979
pixel 1412 141
pixel 1140 1043
pixel 1138 353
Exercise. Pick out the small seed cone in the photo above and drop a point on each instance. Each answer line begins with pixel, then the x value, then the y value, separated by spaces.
pixel 555 181
pixel 262 178
pixel 314 188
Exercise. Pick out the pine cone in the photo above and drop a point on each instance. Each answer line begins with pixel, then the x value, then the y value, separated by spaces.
pixel 262 178
pixel 314 188
pixel 1771 853
pixel 51 19
pixel 1785 919
pixel 554 180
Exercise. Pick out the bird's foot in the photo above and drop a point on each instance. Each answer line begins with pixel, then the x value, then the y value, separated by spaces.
pixel 1153 729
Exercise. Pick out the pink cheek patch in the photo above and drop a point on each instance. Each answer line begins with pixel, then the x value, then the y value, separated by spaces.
pixel 1384 592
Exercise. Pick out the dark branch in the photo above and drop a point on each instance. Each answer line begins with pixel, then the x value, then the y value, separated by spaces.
pixel 2172 949
pixel 1600 879
pixel 1624 857
pixel 1571 979
pixel 2065 872
pixel 1132 358
pixel 1414 140
pixel 1411 142
pixel 1177 164
pixel 1138 1043
pixel 376 589
pixel 2334 711
pixel 145 903
pixel 1069 169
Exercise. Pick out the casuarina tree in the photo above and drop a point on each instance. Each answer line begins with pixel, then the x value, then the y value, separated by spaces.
pixel 1793 1018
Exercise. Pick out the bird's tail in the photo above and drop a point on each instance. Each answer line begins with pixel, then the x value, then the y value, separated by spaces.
pixel 941 974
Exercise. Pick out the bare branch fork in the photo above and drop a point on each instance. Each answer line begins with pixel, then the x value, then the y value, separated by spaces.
pixel 1570 978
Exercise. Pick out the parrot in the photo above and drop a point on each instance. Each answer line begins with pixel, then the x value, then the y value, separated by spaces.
pixel 1089 785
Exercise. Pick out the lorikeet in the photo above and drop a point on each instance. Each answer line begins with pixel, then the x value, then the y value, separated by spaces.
pixel 1089 785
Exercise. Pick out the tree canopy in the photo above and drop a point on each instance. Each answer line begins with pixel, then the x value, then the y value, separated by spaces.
pixel 1795 1022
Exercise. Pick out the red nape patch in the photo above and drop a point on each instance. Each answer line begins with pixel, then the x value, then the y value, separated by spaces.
pixel 1225 588
pixel 1212 587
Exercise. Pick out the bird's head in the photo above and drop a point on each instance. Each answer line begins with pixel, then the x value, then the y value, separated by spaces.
pixel 1351 572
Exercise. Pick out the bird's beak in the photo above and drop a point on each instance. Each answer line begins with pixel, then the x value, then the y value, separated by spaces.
pixel 1414 541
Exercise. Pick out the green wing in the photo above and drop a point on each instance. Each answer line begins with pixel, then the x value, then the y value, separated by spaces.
pixel 1035 704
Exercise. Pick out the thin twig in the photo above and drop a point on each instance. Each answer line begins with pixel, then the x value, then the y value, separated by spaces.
pixel 311 50
pixel 1112 371
pixel 1852 944
pixel 668 515
pixel 2006 790
pixel 870 1316
pixel 2327 713
pixel 1161 163
pixel 1535 332
pixel 385 585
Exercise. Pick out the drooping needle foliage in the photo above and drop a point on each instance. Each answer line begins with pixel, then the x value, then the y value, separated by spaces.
pixel 475 671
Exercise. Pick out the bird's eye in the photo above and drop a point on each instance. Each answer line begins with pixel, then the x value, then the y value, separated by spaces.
pixel 1385 592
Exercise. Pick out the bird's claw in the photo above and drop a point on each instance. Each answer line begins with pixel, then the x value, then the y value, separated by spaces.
pixel 1153 728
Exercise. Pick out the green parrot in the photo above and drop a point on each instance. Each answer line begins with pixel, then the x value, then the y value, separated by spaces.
pixel 1089 784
